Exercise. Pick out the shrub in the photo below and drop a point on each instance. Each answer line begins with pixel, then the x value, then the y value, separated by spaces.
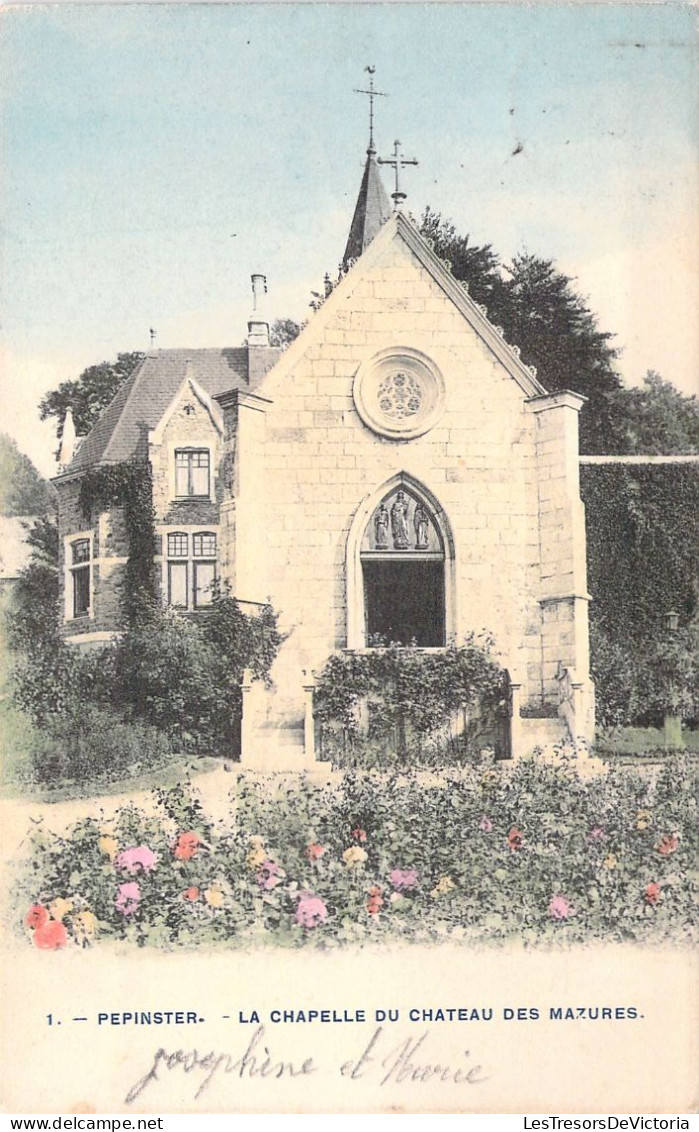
pixel 641 523
pixel 95 745
pixel 179 676
pixel 409 698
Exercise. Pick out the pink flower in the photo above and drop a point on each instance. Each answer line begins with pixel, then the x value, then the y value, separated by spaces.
pixel 51 935
pixel 270 875
pixel 359 834
pixel 138 860
pixel 597 833
pixel 403 880
pixel 128 898
pixel 668 844
pixel 652 893
pixel 375 901
pixel 515 839
pixel 36 917
pixel 187 846
pixel 314 851
pixel 485 824
pixel 310 910
pixel 560 908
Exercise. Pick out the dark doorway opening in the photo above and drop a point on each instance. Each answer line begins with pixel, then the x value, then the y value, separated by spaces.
pixel 404 602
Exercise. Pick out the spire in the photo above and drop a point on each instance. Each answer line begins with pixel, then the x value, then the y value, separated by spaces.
pixel 373 208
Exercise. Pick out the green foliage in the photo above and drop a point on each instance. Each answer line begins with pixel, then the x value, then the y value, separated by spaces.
pixel 642 531
pixel 23 491
pixel 183 676
pixel 179 677
pixel 410 693
pixel 95 745
pixel 541 313
pixel 658 419
pixel 533 852
pixel 128 485
pixel 33 613
pixel 673 685
pixel 88 395
pixel 283 331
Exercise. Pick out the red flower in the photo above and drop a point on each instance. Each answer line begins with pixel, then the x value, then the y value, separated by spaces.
pixel 51 935
pixel 36 917
pixel 191 893
pixel 374 902
pixel 652 893
pixel 515 840
pixel 187 846
pixel 359 834
pixel 314 851
pixel 668 844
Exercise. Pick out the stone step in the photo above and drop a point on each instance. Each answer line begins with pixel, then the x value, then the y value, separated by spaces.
pixel 280 736
pixel 544 733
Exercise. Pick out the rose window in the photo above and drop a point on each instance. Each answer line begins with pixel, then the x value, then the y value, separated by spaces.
pixel 400 396
pixel 399 393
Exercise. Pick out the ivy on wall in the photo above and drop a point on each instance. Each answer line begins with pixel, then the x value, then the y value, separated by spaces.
pixel 128 485
pixel 642 532
pixel 411 691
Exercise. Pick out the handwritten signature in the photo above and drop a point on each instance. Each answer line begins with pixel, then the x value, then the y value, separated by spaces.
pixel 406 1061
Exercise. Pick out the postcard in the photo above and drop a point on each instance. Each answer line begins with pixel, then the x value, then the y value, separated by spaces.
pixel 349 614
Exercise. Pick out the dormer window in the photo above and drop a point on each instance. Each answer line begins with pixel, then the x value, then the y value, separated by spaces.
pixel 192 473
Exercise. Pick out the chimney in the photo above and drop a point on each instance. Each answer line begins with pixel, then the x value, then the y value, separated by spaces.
pixel 68 440
pixel 258 327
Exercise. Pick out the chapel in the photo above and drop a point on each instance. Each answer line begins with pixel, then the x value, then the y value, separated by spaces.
pixel 395 474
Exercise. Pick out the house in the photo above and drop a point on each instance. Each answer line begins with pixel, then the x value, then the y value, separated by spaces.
pixel 396 474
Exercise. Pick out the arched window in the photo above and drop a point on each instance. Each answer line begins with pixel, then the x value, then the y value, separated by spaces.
pixel 402 566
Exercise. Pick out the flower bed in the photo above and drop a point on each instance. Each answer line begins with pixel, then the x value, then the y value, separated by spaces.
pixel 534 852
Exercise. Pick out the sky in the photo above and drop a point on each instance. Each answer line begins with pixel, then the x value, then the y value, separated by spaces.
pixel 154 155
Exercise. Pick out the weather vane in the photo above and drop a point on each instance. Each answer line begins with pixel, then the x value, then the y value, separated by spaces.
pixel 398 161
pixel 372 95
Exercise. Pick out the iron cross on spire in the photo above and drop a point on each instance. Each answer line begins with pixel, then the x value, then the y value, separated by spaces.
pixel 398 161
pixel 372 95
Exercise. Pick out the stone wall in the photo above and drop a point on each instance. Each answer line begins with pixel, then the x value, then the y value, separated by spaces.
pixel 480 462
pixel 109 552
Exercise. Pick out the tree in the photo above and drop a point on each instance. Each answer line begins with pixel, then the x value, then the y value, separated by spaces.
pixel 479 267
pixel 658 419
pixel 33 619
pixel 23 491
pixel 89 394
pixel 283 331
pixel 542 314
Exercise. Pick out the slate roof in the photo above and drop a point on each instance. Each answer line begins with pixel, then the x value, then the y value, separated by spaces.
pixel 371 212
pixel 121 433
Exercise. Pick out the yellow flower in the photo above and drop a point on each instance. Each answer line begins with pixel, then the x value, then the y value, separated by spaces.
pixel 214 897
pixel 644 819
pixel 354 856
pixel 611 861
pixel 109 846
pixel 444 885
pixel 60 908
pixel 256 858
pixel 84 926
pixel 257 841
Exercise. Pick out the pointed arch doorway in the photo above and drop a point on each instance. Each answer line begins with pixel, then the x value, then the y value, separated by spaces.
pixel 400 570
